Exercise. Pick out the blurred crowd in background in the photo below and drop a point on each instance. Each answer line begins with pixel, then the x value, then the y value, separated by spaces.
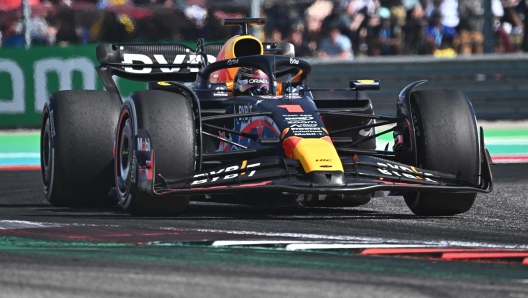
pixel 320 28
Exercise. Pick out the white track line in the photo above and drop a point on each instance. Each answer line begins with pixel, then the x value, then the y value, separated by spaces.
pixel 21 224
pixel 314 246
pixel 305 245
pixel 360 240
pixel 299 241
pixel 256 242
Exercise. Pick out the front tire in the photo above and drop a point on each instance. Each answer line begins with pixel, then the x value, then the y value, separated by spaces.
pixel 169 120
pixel 446 141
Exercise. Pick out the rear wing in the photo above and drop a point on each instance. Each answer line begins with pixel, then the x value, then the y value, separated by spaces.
pixel 150 62
pixel 143 62
pixel 162 62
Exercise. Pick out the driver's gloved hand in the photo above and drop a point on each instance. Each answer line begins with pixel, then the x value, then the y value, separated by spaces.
pixel 256 91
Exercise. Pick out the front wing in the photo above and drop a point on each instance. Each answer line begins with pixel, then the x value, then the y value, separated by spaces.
pixel 362 174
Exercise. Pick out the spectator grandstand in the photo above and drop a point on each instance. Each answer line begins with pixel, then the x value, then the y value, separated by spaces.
pixel 373 27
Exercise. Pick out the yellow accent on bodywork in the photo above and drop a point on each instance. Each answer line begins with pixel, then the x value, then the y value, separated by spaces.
pixel 164 83
pixel 416 171
pixel 366 81
pixel 244 164
pixel 229 53
pixel 317 155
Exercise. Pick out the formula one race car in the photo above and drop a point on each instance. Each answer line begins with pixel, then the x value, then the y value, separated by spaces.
pixel 238 123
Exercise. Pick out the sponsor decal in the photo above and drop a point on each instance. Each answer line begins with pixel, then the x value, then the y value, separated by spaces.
pixel 232 61
pixel 225 171
pixel 143 144
pixel 297 118
pixel 303 125
pixel 269 96
pixel 164 83
pixel 220 91
pixel 289 96
pixel 403 171
pixel 296 121
pixel 243 109
pixel 308 131
pixel 294 61
pixel 258 81
pixel 192 62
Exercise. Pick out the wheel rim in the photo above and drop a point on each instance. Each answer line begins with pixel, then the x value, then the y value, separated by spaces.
pixel 45 154
pixel 124 158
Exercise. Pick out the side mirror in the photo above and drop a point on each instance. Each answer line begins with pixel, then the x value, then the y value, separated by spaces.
pixel 361 85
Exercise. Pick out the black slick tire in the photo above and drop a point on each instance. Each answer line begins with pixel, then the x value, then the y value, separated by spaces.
pixel 169 120
pixel 76 148
pixel 447 141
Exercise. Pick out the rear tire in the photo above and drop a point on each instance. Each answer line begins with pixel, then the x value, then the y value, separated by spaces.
pixel 447 141
pixel 76 148
pixel 169 120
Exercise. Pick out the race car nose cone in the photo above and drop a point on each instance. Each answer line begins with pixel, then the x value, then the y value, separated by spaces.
pixel 330 178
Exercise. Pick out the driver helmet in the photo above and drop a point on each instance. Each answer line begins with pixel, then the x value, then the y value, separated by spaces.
pixel 250 81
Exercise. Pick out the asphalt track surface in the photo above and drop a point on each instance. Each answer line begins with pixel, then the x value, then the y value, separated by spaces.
pixel 62 252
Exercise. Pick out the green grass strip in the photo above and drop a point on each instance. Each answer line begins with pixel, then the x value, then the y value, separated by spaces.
pixel 233 257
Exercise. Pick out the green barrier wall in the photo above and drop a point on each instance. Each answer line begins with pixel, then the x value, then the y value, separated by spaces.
pixel 29 76
pixel 496 85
